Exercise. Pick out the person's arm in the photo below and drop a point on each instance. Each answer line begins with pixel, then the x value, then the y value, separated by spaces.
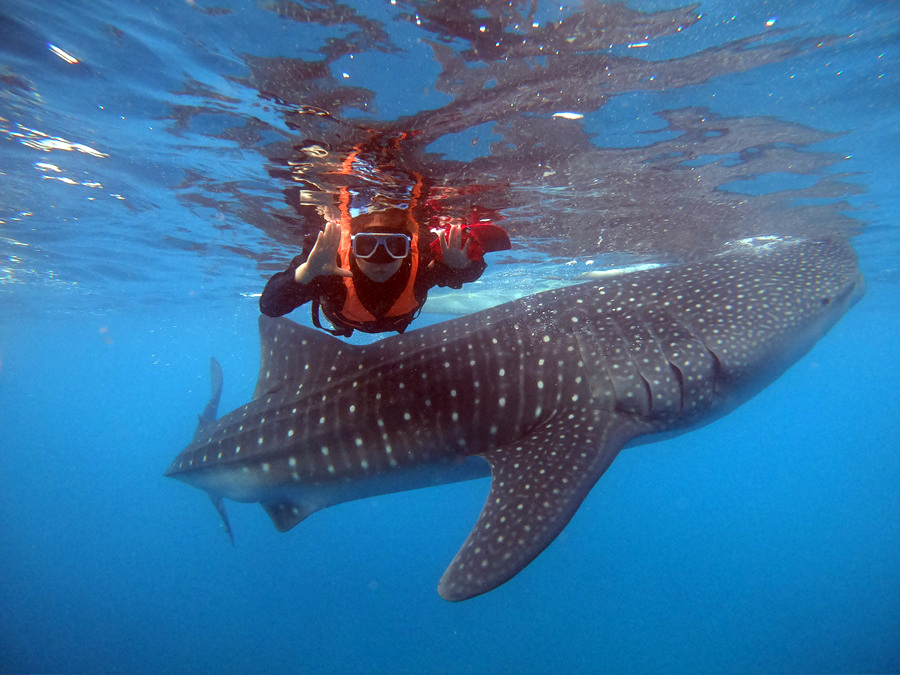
pixel 443 275
pixel 301 281
pixel 283 294
pixel 456 265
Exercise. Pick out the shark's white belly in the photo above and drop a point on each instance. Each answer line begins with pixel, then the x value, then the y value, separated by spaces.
pixel 244 484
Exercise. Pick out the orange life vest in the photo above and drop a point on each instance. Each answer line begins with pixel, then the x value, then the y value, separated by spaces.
pixel 354 313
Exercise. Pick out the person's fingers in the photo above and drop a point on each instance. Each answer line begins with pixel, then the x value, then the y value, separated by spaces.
pixel 334 240
pixel 326 253
pixel 321 243
pixel 333 235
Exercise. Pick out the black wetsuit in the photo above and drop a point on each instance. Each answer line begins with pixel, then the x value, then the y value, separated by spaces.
pixel 283 294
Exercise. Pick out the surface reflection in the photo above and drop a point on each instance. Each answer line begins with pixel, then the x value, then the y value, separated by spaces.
pixel 532 86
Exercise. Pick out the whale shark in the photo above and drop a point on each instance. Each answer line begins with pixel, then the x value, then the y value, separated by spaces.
pixel 540 393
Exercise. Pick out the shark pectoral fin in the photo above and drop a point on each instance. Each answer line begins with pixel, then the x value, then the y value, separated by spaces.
pixel 219 503
pixel 536 487
pixel 286 515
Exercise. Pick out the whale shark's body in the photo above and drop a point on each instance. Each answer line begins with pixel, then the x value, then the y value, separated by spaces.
pixel 541 393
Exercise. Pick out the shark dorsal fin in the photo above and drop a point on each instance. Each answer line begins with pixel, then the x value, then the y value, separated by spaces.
pixel 537 485
pixel 299 355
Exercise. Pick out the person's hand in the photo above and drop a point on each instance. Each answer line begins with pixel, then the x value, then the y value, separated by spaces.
pixel 321 261
pixel 453 252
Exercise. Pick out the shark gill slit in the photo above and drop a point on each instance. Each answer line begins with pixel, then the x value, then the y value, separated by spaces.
pixel 676 371
pixel 717 369
pixel 679 376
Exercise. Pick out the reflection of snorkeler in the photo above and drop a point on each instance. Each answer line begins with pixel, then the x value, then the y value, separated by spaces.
pixel 373 273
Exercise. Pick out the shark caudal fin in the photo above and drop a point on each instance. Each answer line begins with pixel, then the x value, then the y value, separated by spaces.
pixel 206 420
pixel 211 412
pixel 299 356
pixel 537 486
pixel 219 503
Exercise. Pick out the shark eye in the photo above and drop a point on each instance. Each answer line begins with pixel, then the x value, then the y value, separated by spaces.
pixel 826 302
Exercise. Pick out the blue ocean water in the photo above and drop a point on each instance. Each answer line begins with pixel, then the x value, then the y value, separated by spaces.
pixel 144 202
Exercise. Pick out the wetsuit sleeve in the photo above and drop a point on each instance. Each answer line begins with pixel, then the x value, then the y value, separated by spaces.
pixel 438 273
pixel 283 294
pixel 443 275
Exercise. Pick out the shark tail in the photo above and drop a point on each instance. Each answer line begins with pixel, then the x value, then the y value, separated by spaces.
pixel 211 411
pixel 219 503
pixel 206 419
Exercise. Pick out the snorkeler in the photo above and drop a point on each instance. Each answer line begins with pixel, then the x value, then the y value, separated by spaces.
pixel 372 273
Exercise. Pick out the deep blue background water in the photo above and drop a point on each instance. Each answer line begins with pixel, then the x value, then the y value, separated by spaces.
pixel 768 541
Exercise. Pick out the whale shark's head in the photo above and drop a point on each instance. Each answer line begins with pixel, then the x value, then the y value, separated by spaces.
pixel 775 316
